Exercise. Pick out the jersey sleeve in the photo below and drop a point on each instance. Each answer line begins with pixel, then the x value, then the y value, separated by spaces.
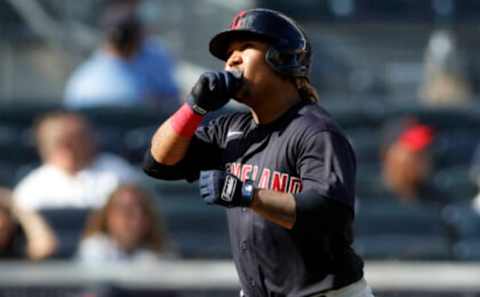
pixel 204 153
pixel 326 165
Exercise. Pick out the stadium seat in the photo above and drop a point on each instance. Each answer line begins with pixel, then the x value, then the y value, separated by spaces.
pixel 455 183
pixel 16 145
pixel 389 230
pixel 198 230
pixel 123 118
pixel 455 146
pixel 68 225
pixel 136 142
pixel 109 139
pixel 7 176
pixel 464 222
pixel 365 142
pixel 370 185
pixel 22 115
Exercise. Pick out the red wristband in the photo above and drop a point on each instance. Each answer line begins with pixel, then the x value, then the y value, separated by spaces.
pixel 185 121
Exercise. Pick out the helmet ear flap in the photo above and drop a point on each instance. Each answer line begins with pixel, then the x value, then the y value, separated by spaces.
pixel 285 62
pixel 277 57
pixel 278 60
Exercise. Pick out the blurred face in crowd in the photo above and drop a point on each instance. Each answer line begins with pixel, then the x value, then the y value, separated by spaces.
pixel 77 141
pixel 66 141
pixel 248 57
pixel 128 221
pixel 405 170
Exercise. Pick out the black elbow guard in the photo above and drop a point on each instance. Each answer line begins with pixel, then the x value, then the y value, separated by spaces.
pixel 167 172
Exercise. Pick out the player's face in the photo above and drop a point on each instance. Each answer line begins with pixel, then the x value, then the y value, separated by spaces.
pixel 248 56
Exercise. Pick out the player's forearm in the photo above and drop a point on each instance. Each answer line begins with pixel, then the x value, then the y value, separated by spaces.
pixel 168 147
pixel 276 207
pixel 171 140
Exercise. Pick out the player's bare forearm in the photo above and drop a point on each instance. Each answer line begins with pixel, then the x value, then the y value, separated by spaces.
pixel 276 207
pixel 168 147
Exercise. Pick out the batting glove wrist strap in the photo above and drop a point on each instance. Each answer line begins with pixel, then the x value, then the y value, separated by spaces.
pixel 185 121
pixel 221 188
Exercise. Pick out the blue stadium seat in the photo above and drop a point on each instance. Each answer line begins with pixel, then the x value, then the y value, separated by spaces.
pixel 23 114
pixel 136 142
pixel 455 182
pixel 199 231
pixel 7 174
pixel 123 118
pixel 68 225
pixel 389 230
pixel 16 145
pixel 464 222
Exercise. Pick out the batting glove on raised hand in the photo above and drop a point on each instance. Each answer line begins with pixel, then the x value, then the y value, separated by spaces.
pixel 213 90
pixel 219 187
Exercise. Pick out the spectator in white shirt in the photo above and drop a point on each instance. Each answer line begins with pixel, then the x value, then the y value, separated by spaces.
pixel 73 174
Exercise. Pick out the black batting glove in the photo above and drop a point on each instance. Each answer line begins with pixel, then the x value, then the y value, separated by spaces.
pixel 221 188
pixel 213 90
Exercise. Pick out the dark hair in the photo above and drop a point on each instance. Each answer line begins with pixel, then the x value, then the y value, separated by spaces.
pixel 306 90
pixel 122 28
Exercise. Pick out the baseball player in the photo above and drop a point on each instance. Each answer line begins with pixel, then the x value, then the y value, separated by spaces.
pixel 284 171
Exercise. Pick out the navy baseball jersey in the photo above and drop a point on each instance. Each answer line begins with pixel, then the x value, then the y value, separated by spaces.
pixel 303 153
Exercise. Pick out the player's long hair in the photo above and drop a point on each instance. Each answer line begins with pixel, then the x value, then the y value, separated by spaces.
pixel 306 90
pixel 155 237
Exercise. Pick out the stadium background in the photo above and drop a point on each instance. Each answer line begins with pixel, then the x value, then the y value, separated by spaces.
pixel 368 66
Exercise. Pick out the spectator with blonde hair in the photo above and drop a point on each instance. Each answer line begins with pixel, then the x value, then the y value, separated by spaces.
pixel 126 228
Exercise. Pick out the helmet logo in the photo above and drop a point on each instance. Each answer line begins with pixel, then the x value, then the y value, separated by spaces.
pixel 236 22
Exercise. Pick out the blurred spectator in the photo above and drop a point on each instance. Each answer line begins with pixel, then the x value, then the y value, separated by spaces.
pixel 126 228
pixel 128 69
pixel 23 234
pixel 446 82
pixel 475 175
pixel 73 174
pixel 408 163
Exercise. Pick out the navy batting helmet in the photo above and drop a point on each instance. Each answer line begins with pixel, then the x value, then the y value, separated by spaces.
pixel 289 51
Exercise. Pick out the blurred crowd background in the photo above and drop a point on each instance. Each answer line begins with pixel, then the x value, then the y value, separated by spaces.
pixel 84 84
